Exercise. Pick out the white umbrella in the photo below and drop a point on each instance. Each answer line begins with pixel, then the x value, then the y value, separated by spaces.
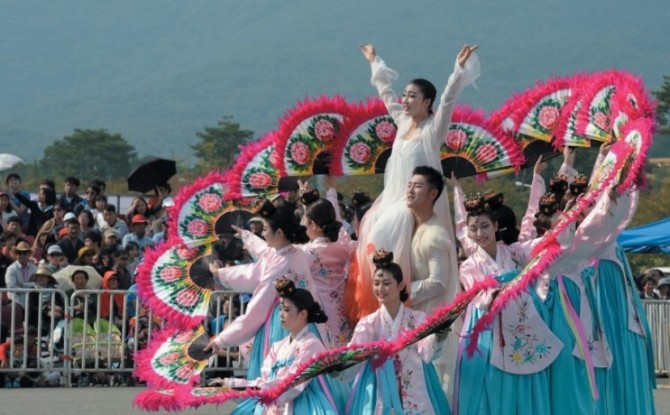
pixel 64 277
pixel 7 161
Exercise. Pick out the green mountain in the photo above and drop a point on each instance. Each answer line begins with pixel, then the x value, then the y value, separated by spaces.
pixel 158 71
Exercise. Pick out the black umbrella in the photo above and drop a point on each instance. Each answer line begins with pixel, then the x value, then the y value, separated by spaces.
pixel 152 172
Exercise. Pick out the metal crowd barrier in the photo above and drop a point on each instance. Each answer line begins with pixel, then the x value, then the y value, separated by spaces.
pixel 81 347
pixel 658 315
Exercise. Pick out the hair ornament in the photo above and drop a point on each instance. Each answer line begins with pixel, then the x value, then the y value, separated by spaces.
pixel 493 199
pixel 475 204
pixel 579 185
pixel 382 258
pixel 285 287
pixel 549 203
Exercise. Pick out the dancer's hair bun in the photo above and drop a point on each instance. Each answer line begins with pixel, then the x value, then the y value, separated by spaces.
pixel 309 197
pixel 285 287
pixel 267 209
pixel 579 185
pixel 559 183
pixel 475 204
pixel 493 199
pixel 549 203
pixel 382 258
pixel 359 198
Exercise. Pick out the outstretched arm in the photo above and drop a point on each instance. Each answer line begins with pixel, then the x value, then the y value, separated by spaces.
pixel 382 79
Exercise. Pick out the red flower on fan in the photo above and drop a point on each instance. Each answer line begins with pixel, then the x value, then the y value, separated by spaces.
pixel 183 337
pixel 187 253
pixel 385 131
pixel 601 120
pixel 260 180
pixel 324 130
pixel 198 227
pixel 456 139
pixel 300 153
pixel 170 274
pixel 187 298
pixel 274 157
pixel 486 153
pixel 360 153
pixel 549 117
pixel 185 372
pixel 209 202
pixel 168 359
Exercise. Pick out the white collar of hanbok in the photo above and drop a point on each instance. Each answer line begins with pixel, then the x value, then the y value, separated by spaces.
pixel 390 325
pixel 302 333
pixel 285 250
pixel 321 239
pixel 488 260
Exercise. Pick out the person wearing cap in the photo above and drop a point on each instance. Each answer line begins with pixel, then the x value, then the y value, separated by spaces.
pixel 139 225
pixel 55 259
pixel 256 226
pixel 15 226
pixel 664 288
pixel 71 244
pixel 85 256
pixel 18 274
pixel 110 239
pixel 43 278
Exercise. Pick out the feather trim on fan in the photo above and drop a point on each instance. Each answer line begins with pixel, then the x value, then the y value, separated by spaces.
pixel 201 199
pixel 175 282
pixel 637 133
pixel 307 133
pixel 549 249
pixel 367 133
pixel 199 396
pixel 173 357
pixel 566 131
pixel 629 103
pixel 595 117
pixel 256 170
pixel 157 400
pixel 484 146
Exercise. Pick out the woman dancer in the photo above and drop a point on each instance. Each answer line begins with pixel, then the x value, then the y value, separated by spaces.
pixel 276 258
pixel 389 223
pixel 317 396
pixel 508 373
pixel 407 383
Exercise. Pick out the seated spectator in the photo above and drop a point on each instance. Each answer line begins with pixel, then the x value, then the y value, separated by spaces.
pixel 86 223
pixel 88 203
pixel 44 279
pixel 15 226
pixel 86 257
pixel 100 205
pixel 82 304
pixel 648 285
pixel 138 206
pixel 5 262
pixel 256 226
pixel 69 200
pixel 49 228
pixel 133 253
pixel 139 226
pixel 120 266
pixel 13 182
pixel 19 272
pixel 6 210
pixel 111 239
pixel 113 222
pixel 55 259
pixel 93 240
pixel 41 210
pixel 664 288
pixel 11 355
pixel 105 261
pixel 111 305
pixel 71 244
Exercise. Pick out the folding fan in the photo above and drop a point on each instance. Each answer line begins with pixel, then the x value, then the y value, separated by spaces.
pixel 365 140
pixel 256 170
pixel 306 135
pixel 176 283
pixel 474 146
pixel 173 357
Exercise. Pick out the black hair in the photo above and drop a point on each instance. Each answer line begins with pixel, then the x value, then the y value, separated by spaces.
pixel 383 260
pixel 283 218
pixel 130 245
pixel 96 189
pixel 110 208
pixel 80 271
pixel 9 206
pixel 427 90
pixel 433 178
pixel 73 180
pixel 101 197
pixel 49 196
pixel 91 219
pixel 100 183
pixel 322 213
pixel 507 231
pixel 302 299
pixel 94 235
pixel 12 176
pixel 543 222
pixel 14 219
pixel 48 183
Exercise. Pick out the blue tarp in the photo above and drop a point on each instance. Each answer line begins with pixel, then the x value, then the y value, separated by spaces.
pixel 650 238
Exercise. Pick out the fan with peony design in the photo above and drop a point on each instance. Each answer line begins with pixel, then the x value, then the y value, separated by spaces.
pixel 365 141
pixel 306 135
pixel 176 283
pixel 256 170
pixel 473 146
pixel 173 357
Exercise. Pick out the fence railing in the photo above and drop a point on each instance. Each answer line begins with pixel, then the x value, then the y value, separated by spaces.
pixel 95 334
